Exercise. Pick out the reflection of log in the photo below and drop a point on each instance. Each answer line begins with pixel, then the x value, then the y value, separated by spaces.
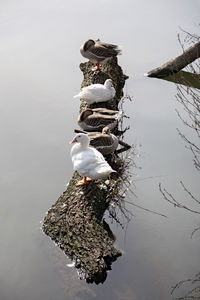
pixel 185 78
pixel 176 64
pixel 125 147
pixel 74 222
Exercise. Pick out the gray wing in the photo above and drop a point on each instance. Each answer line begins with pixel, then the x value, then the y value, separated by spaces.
pixel 96 120
pixel 106 45
pixel 101 141
pixel 106 111
pixel 101 51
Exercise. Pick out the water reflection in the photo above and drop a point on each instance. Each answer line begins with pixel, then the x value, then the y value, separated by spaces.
pixel 188 95
pixel 188 289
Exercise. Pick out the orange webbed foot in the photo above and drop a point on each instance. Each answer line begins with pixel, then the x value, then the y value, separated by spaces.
pixel 97 67
pixel 89 179
pixel 82 182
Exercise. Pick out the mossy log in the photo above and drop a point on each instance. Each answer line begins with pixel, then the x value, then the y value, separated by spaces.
pixel 176 64
pixel 75 221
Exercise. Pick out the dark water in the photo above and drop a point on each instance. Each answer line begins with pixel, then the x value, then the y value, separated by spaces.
pixel 39 75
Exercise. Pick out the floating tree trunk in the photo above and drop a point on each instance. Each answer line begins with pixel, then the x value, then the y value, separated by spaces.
pixel 171 70
pixel 75 221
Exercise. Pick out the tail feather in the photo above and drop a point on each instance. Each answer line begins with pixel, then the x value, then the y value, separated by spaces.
pixel 77 96
pixel 119 115
pixel 118 50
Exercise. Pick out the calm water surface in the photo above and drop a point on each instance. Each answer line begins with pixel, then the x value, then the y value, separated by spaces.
pixel 39 57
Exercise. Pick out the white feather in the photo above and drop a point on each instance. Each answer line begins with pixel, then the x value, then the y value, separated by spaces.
pixel 88 161
pixel 97 92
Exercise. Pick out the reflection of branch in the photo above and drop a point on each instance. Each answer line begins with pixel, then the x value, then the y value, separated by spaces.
pixel 146 209
pixel 197 149
pixel 194 231
pixel 193 148
pixel 192 293
pixel 186 190
pixel 127 185
pixel 189 97
pixel 168 197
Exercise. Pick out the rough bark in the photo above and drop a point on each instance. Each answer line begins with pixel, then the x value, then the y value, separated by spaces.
pixel 176 64
pixel 75 221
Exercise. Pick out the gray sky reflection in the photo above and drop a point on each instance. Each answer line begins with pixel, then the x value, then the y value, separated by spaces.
pixel 39 75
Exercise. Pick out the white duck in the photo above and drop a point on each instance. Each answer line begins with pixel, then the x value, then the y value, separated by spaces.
pixel 97 92
pixel 88 161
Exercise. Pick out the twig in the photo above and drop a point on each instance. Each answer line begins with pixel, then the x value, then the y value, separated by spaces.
pixel 173 201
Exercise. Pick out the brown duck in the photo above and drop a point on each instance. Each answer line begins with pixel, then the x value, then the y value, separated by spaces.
pixel 99 52
pixel 105 142
pixel 97 118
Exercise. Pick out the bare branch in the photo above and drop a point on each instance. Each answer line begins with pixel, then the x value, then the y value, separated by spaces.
pixel 193 292
pixel 194 231
pixel 191 195
pixel 168 197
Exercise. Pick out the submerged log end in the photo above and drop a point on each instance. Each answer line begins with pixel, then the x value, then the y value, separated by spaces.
pixel 74 223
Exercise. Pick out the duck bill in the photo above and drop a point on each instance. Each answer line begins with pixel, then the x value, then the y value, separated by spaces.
pixel 73 141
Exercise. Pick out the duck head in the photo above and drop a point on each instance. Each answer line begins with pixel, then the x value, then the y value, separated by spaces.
pixel 81 138
pixel 88 44
pixel 84 114
pixel 108 83
pixel 106 130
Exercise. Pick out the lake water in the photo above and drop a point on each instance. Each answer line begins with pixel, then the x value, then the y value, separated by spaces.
pixel 39 60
